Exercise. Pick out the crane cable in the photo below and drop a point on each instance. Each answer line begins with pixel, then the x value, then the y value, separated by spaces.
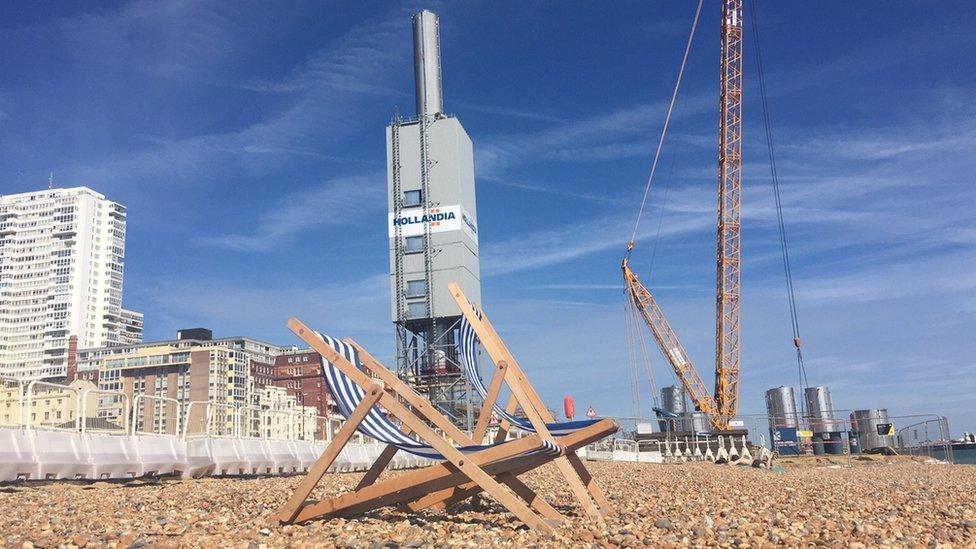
pixel 667 121
pixel 632 358
pixel 644 353
pixel 774 174
pixel 635 342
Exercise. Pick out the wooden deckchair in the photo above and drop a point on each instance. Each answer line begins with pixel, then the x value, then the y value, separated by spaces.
pixel 537 420
pixel 478 468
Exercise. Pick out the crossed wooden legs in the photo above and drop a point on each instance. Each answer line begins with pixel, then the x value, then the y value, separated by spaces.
pixel 425 487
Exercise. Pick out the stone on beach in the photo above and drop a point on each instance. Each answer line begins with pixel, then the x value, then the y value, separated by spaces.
pixel 695 504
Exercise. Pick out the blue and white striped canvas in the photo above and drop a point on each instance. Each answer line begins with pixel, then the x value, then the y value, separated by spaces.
pixel 348 395
pixel 468 351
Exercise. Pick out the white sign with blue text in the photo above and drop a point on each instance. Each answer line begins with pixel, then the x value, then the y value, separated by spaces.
pixel 440 219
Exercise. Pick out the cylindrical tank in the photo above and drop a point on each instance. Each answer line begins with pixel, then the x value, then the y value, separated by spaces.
pixel 673 400
pixel 833 442
pixel 865 424
pixel 827 438
pixel 820 409
pixel 817 442
pixel 783 420
pixel 427 63
pixel 781 407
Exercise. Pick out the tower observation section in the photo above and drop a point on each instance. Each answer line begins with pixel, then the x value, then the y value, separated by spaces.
pixel 433 234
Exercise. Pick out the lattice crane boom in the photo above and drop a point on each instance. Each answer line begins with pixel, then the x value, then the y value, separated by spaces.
pixel 670 346
pixel 728 289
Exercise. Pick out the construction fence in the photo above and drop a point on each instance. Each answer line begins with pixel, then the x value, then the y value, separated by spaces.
pixel 846 433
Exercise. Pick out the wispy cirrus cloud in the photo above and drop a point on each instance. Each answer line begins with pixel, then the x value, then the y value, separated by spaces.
pixel 321 92
pixel 556 245
pixel 359 308
pixel 179 40
pixel 335 202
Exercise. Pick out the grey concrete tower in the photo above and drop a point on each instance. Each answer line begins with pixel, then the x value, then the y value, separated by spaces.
pixel 433 232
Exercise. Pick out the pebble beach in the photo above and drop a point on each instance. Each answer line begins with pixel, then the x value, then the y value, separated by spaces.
pixel 877 502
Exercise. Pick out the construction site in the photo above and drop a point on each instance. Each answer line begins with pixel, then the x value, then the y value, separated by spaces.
pixel 433 231
pixel 450 443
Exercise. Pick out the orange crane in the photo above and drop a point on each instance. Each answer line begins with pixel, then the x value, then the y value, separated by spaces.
pixel 728 291
pixel 725 403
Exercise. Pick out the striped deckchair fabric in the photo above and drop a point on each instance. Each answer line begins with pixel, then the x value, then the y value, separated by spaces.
pixel 376 424
pixel 468 353
pixel 379 405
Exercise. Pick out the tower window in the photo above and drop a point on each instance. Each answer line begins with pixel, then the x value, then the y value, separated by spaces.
pixel 412 198
pixel 416 288
pixel 413 244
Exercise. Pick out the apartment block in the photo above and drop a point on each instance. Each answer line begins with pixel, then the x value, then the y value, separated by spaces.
pixel 230 374
pixel 62 258
pixel 131 333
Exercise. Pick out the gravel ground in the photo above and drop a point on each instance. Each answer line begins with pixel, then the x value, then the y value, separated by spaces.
pixel 905 503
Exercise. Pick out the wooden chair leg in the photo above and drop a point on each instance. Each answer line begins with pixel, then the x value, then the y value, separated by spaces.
pixel 577 487
pixel 455 495
pixel 442 499
pixel 591 486
pixel 467 466
pixel 531 497
pixel 497 380
pixel 377 468
pixel 409 487
pixel 321 466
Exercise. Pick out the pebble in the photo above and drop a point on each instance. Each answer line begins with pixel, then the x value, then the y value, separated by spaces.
pixel 902 502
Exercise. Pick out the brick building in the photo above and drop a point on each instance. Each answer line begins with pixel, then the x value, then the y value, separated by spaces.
pixel 300 373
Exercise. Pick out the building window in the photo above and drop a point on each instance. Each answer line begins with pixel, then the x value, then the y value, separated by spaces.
pixel 417 310
pixel 416 288
pixel 413 244
pixel 412 198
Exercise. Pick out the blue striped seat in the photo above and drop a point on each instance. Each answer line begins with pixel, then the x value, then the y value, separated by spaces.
pixel 348 395
pixel 468 351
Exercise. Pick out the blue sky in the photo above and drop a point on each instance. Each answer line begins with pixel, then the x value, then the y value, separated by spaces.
pixel 248 146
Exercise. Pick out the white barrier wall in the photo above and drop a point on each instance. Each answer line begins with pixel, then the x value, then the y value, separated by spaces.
pixel 27 454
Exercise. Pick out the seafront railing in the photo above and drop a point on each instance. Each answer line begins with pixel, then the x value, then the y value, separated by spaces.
pixel 46 406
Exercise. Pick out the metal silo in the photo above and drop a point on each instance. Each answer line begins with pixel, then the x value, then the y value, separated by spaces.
pixel 783 420
pixel 781 407
pixel 865 423
pixel 827 436
pixel 673 400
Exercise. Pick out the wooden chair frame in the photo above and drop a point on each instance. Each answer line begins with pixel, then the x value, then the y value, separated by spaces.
pixel 489 470
pixel 508 372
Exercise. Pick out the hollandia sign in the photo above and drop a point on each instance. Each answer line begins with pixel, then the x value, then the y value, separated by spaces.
pixel 441 219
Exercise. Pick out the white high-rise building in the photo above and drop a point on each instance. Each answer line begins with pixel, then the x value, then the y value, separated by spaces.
pixel 61 262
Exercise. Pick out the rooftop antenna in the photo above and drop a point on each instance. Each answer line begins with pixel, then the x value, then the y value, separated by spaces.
pixel 50 181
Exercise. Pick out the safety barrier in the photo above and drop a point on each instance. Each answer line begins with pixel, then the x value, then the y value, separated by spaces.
pixel 17 458
pixel 54 431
